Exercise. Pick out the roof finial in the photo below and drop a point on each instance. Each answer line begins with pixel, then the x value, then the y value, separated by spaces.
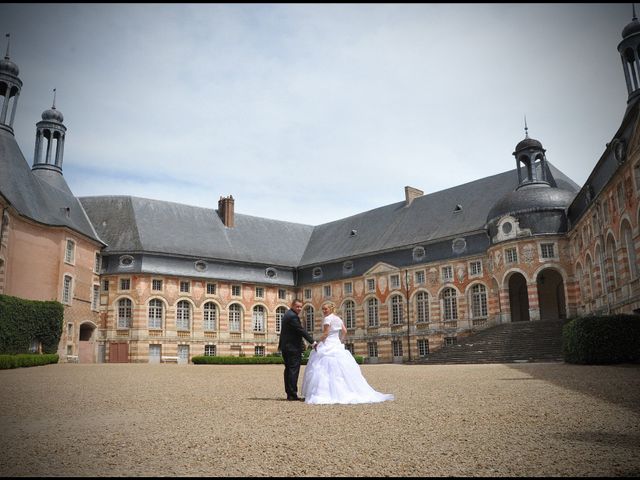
pixel 526 129
pixel 54 99
pixel 633 6
pixel 6 55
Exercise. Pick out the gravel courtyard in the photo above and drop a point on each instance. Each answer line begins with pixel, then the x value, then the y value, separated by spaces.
pixel 550 419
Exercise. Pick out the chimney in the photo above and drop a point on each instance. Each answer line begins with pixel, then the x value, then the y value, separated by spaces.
pixel 411 193
pixel 225 210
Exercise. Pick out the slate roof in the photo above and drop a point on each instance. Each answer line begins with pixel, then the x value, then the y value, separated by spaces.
pixel 138 225
pixel 132 224
pixel 428 218
pixel 43 197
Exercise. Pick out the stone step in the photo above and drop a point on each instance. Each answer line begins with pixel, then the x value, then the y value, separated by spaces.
pixel 535 341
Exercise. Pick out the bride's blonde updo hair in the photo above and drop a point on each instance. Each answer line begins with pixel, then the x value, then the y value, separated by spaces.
pixel 330 306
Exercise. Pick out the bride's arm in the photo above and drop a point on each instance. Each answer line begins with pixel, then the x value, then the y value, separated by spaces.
pixel 325 332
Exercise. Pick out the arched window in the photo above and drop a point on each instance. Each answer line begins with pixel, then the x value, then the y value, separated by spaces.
pixel 183 315
pixel 478 301
pixel 349 312
pixel 372 312
pixel 210 316
pixel 308 317
pixel 155 314
pixel 631 252
pixel 612 272
pixel 124 313
pixel 588 276
pixel 280 311
pixel 259 316
pixel 396 310
pixel 581 283
pixel 601 285
pixel 422 307
pixel 235 315
pixel 449 304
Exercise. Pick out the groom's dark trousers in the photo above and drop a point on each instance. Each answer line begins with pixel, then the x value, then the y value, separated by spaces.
pixel 291 334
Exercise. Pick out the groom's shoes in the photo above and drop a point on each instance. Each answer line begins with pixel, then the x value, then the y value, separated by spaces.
pixel 294 398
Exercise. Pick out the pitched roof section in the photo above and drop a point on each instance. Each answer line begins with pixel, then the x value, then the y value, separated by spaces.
pixel 133 224
pixel 49 203
pixel 428 218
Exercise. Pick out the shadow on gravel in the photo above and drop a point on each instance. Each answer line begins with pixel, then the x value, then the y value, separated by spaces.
pixel 618 384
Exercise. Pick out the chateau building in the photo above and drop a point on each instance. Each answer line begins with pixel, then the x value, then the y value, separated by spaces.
pixel 151 281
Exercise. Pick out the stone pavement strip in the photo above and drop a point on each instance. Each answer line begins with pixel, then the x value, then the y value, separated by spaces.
pixel 539 419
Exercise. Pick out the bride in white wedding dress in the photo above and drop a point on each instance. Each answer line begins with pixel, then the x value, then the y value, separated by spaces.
pixel 332 375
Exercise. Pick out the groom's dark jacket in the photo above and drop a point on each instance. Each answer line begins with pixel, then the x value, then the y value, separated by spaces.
pixel 291 333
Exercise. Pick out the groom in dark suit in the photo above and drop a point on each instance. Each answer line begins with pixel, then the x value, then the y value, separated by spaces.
pixel 291 346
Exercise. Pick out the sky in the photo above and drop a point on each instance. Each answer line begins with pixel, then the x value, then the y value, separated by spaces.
pixel 310 113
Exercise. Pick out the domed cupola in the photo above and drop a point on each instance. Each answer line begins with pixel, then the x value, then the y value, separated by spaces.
pixel 50 136
pixel 530 161
pixel 536 206
pixel 628 49
pixel 10 86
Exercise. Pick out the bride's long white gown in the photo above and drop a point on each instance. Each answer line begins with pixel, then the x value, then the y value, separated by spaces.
pixel 332 375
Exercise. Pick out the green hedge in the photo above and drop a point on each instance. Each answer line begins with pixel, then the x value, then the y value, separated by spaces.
pixel 27 360
pixel 23 321
pixel 602 339
pixel 269 359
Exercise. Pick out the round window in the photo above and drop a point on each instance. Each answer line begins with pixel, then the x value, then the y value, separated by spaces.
pixel 506 228
pixel 126 260
pixel 200 265
pixel 271 272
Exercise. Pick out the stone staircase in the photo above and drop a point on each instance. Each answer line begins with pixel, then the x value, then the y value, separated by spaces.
pixel 533 341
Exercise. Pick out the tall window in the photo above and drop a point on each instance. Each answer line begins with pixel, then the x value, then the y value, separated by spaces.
pixel 372 312
pixel 447 273
pixel 419 276
pixel 280 311
pixel 125 284
pixel 589 276
pixel 422 307
pixel 185 286
pixel 327 291
pixel 611 260
pixel 155 314
pixel 396 346
pixel 156 285
pixel 211 288
pixel 475 268
pixel 183 315
pixel 372 347
pixel 282 294
pixel 210 316
pixel 66 289
pixel 396 310
pixel 631 252
pixel 449 304
pixel 308 317
pixel 348 288
pixel 259 318
pixel 371 284
pixel 423 347
pixel 259 292
pixel 394 280
pixel 97 263
pixel 70 251
pixel 258 351
pixel 478 301
pixel 349 311
pixel 235 314
pixel 95 297
pixel 235 290
pixel 124 313
pixel 307 294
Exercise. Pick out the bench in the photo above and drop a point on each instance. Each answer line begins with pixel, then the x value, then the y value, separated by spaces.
pixel 169 359
pixel 72 358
